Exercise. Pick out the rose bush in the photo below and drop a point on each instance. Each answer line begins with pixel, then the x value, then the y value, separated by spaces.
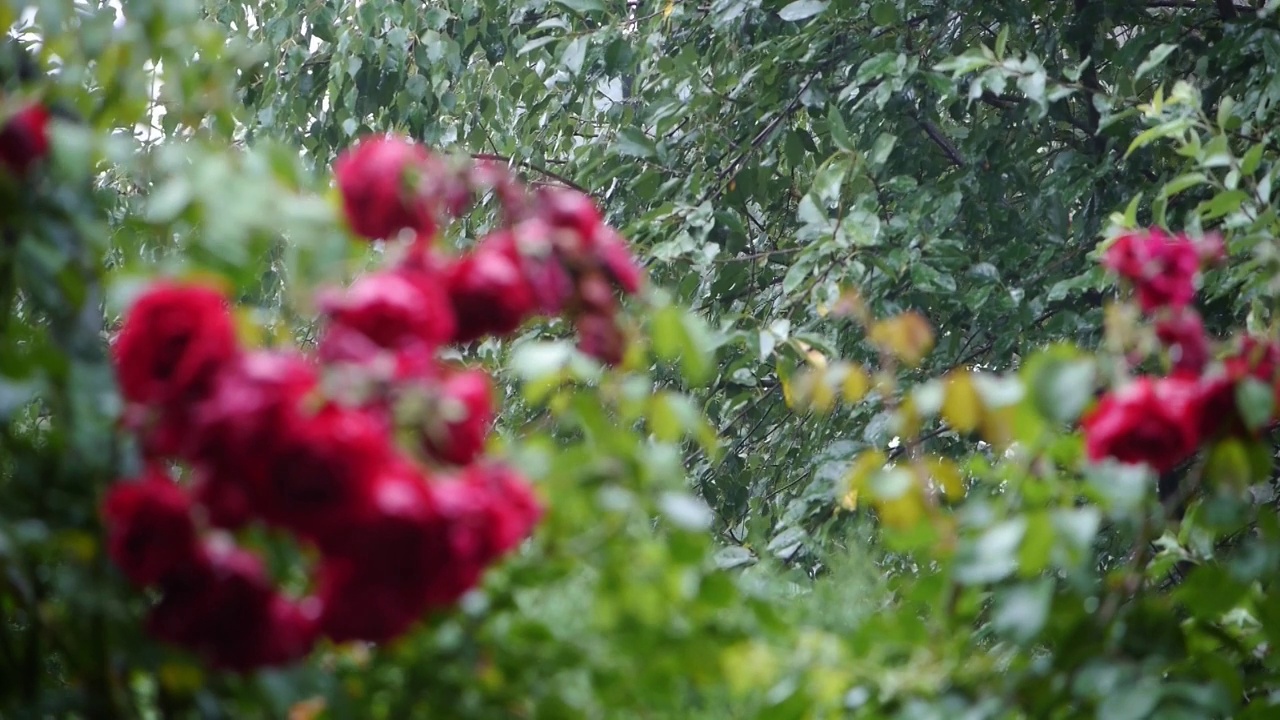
pixel 329 513
pixel 269 444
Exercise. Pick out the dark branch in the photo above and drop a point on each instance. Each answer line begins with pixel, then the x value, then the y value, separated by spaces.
pixel 531 166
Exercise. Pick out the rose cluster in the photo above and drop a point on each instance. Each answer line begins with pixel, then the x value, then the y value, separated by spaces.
pixel 553 256
pixel 1162 420
pixel 370 452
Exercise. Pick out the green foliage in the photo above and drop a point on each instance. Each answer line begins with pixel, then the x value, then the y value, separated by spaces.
pixel 796 500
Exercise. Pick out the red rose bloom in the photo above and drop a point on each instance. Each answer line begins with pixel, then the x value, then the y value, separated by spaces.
pixel 1219 413
pixel 407 315
pixel 379 565
pixel 224 609
pixel 1148 421
pixel 460 418
pixel 223 499
pixel 172 344
pixel 570 210
pixel 1162 267
pixel 320 471
pixel 1183 333
pixel 489 291
pixel 378 179
pixel 600 338
pixel 512 510
pixel 488 511
pixel 1256 358
pixel 617 261
pixel 24 139
pixel 150 533
pixel 253 398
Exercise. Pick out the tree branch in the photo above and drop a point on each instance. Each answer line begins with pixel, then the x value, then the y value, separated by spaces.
pixel 531 166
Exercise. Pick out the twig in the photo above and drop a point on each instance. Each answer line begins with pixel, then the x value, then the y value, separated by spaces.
pixel 531 166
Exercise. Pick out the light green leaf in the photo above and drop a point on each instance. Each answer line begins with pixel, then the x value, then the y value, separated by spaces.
pixel 802 10
pixel 1154 58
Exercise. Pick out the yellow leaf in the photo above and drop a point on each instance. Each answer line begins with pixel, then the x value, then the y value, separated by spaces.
pixel 856 383
pixel 997 425
pixel 823 310
pixel 249 332
pixel 901 512
pixel 80 545
pixel 666 13
pixel 907 419
pixel 850 304
pixel 788 396
pixel 896 494
pixel 307 709
pixel 908 336
pixel 810 390
pixel 961 406
pixel 812 356
pixel 180 678
pixel 864 465
pixel 822 395
pixel 946 476
pixel 850 501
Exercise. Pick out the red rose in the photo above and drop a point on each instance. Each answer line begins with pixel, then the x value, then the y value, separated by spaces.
pixel 1219 412
pixel 173 343
pixel 1148 421
pixel 617 261
pixel 379 565
pixel 488 511
pixel 460 418
pixel 223 499
pixel 600 338
pixel 512 510
pixel 571 210
pixel 1162 267
pixel 405 314
pixel 378 179
pixel 224 609
pixel 489 291
pixel 1255 358
pixel 150 533
pixel 253 398
pixel 320 470
pixel 24 139
pixel 1183 333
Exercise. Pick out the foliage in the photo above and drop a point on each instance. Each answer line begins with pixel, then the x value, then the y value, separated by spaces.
pixel 844 481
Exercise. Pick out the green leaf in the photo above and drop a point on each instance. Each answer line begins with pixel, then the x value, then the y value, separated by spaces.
pixel 1131 701
pixel 1252 159
pixel 830 176
pixel 1154 59
pixel 994 556
pixel 1164 130
pixel 1002 41
pixel 1224 203
pixel 536 43
pixel 686 511
pixel 1256 401
pixel 1061 383
pixel 883 146
pixel 1183 182
pixel 1228 464
pixel 802 10
pixel 582 6
pixel 839 131
pixel 634 143
pixel 1021 611
pixel 884 14
pixel 575 54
